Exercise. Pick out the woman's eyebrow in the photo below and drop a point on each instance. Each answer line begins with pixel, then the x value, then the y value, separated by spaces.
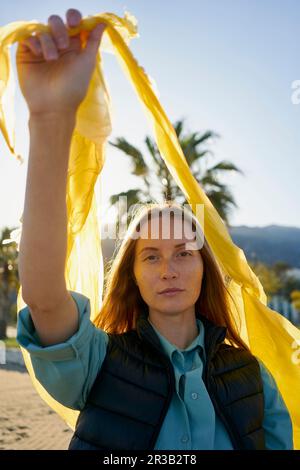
pixel 146 248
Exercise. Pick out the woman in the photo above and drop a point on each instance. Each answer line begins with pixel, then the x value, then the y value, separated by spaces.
pixel 157 370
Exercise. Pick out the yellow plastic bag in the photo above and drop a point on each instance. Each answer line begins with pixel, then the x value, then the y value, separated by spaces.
pixel 270 336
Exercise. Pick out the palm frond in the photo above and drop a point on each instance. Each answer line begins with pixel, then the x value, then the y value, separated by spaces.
pixel 225 165
pixel 140 167
pixel 194 149
pixel 178 127
pixel 210 181
pixel 153 150
pixel 133 195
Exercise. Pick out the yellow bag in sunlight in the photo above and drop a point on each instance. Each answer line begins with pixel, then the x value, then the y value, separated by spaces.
pixel 270 336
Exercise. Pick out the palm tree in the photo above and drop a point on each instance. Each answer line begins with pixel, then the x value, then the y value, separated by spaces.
pixel 156 176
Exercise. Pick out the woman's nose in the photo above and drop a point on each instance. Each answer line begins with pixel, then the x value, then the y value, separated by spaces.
pixel 169 275
pixel 168 271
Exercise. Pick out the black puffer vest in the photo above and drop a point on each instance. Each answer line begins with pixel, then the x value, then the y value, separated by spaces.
pixel 133 390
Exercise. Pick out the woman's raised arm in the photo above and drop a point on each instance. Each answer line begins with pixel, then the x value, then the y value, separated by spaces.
pixel 54 79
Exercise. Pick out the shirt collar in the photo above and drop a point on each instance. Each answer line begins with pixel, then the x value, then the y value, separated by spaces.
pixel 169 348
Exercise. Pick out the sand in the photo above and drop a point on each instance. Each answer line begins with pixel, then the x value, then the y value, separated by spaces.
pixel 26 421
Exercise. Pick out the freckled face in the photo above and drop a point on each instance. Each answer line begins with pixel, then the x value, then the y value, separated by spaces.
pixel 160 264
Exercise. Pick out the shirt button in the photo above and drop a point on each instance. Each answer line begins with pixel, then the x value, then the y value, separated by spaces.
pixel 184 438
pixel 195 395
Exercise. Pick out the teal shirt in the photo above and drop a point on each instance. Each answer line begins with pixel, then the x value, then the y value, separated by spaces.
pixel 68 371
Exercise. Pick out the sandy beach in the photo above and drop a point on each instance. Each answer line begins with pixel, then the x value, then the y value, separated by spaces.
pixel 26 422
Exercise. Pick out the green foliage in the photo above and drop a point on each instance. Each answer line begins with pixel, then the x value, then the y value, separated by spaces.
pixel 268 278
pixel 11 343
pixel 9 280
pixel 275 280
pixel 295 297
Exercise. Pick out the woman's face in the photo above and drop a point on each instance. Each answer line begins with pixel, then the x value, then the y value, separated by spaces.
pixel 160 264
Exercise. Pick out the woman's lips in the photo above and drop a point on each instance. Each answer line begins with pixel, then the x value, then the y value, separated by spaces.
pixel 171 293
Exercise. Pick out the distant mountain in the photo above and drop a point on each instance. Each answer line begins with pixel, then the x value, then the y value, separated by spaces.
pixel 269 244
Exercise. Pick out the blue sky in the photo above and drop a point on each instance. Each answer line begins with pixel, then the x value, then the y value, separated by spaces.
pixel 224 65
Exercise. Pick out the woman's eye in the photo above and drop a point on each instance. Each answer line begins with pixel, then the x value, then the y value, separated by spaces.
pixel 181 253
pixel 186 253
pixel 151 256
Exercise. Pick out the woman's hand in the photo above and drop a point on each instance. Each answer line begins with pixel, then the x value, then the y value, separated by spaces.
pixel 54 70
